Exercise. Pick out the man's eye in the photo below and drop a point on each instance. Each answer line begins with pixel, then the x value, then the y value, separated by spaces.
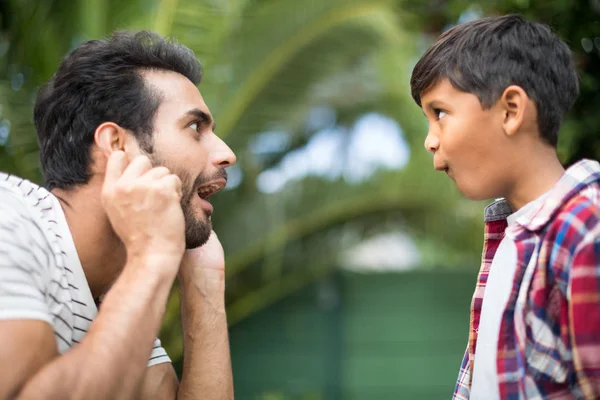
pixel 195 126
pixel 440 113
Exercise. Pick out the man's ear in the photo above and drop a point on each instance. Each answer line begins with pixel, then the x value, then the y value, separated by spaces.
pixel 111 137
pixel 514 104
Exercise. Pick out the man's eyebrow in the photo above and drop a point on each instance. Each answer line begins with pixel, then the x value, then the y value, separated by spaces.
pixel 204 118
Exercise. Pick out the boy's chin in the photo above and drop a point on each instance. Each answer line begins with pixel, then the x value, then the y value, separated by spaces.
pixel 476 193
pixel 476 198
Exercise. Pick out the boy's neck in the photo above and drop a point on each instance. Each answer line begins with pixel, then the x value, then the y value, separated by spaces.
pixel 535 176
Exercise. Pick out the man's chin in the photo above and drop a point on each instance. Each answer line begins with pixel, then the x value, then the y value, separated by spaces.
pixel 197 234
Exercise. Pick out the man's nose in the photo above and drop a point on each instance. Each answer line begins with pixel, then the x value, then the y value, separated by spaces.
pixel 222 156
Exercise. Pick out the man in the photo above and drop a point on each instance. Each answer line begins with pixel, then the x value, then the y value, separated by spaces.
pixel 129 157
pixel 494 92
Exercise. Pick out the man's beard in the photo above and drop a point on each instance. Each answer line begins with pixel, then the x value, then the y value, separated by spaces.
pixel 197 231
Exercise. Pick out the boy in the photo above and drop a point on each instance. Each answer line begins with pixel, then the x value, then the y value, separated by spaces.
pixel 494 92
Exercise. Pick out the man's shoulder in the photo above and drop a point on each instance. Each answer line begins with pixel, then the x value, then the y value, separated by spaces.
pixel 24 205
pixel 16 190
pixel 12 197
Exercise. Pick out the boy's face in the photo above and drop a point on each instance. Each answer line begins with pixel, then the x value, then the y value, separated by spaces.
pixel 467 142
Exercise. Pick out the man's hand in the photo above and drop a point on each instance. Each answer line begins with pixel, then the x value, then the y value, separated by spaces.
pixel 143 206
pixel 206 362
pixel 203 268
pixel 210 255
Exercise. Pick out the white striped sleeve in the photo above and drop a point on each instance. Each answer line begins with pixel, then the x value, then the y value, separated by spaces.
pixel 158 355
pixel 25 255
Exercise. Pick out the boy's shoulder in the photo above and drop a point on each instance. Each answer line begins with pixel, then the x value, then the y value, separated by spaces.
pixel 575 224
pixel 572 210
pixel 581 212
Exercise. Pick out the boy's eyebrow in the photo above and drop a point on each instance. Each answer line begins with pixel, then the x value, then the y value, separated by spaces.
pixel 433 104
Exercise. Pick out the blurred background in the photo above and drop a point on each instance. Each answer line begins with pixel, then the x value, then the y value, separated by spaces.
pixel 350 262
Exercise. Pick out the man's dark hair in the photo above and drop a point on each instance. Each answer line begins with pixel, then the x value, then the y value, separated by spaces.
pixel 101 81
pixel 485 56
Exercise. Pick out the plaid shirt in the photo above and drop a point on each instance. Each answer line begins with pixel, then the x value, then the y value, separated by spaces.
pixel 549 341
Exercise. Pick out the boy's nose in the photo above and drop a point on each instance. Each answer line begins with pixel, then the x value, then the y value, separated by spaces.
pixel 432 143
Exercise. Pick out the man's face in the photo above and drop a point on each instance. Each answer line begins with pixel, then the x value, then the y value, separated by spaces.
pixel 467 142
pixel 184 141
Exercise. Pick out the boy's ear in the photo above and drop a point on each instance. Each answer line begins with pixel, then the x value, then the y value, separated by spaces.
pixel 514 103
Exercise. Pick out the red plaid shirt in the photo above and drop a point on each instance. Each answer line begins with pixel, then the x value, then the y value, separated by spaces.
pixel 549 341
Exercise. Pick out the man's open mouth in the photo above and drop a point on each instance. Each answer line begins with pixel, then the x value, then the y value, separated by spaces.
pixel 210 188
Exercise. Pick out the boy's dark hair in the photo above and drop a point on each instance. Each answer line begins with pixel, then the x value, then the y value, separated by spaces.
pixel 101 81
pixel 486 56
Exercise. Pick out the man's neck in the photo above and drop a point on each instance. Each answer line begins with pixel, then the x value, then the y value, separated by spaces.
pixel 99 249
pixel 536 175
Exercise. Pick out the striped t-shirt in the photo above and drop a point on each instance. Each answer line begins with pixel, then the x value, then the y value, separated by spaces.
pixel 40 273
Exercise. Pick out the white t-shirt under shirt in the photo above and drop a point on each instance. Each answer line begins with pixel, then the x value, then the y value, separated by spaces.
pixel 497 291
pixel 40 273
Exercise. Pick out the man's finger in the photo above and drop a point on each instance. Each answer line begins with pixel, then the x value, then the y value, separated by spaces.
pixel 157 173
pixel 116 164
pixel 138 166
pixel 174 183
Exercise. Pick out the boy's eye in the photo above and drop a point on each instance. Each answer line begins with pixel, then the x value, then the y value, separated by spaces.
pixel 439 113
